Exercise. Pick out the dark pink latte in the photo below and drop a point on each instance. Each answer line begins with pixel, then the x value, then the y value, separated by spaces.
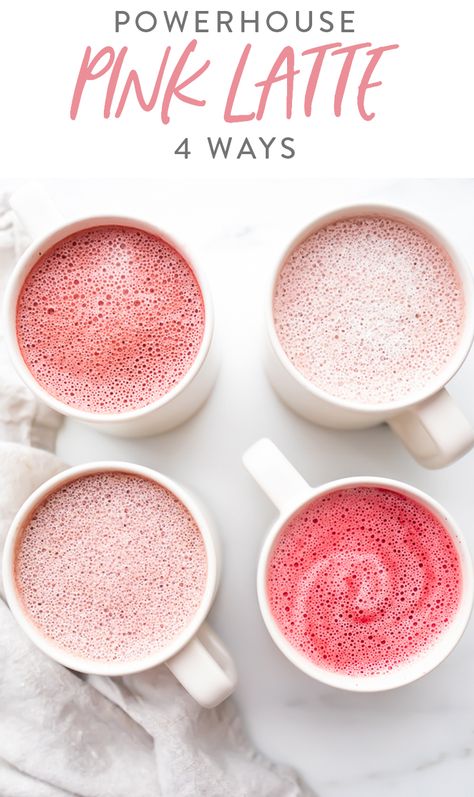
pixel 111 567
pixel 110 319
pixel 369 309
pixel 363 580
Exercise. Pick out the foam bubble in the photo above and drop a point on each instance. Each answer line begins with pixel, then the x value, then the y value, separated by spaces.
pixel 363 580
pixel 110 319
pixel 111 567
pixel 369 309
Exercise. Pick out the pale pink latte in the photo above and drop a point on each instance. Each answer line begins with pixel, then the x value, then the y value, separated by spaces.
pixel 369 309
pixel 111 567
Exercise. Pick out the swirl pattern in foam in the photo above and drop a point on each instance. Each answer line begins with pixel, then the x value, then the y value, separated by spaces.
pixel 369 309
pixel 363 579
pixel 111 567
pixel 110 319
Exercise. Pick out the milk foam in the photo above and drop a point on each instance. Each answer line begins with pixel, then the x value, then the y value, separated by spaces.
pixel 110 319
pixel 111 567
pixel 363 580
pixel 369 309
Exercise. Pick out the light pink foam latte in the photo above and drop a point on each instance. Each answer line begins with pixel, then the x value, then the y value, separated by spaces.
pixel 369 309
pixel 111 567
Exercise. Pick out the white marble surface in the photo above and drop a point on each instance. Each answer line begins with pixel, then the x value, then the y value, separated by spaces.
pixel 411 741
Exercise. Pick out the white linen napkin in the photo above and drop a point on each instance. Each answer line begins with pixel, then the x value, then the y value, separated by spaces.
pixel 62 734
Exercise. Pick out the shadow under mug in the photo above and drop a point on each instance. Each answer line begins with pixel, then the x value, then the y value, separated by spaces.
pixel 429 423
pixel 197 657
pixel 45 225
pixel 289 492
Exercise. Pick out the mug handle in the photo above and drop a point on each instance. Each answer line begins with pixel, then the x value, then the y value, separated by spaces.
pixel 436 432
pixel 36 210
pixel 277 477
pixel 205 668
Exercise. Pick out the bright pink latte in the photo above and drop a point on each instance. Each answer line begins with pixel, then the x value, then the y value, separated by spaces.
pixel 369 309
pixel 363 580
pixel 110 319
pixel 111 567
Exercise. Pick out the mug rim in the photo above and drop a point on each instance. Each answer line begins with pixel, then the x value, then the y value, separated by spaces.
pixel 413 669
pixel 26 263
pixel 467 336
pixel 101 667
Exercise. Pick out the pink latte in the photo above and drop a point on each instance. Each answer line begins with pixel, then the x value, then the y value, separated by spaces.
pixel 363 580
pixel 369 309
pixel 111 567
pixel 110 319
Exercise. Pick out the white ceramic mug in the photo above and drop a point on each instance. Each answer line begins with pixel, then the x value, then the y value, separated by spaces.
pixel 430 424
pixel 287 489
pixel 197 657
pixel 46 227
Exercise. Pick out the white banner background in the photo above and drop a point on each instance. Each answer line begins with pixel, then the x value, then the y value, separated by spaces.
pixel 423 124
